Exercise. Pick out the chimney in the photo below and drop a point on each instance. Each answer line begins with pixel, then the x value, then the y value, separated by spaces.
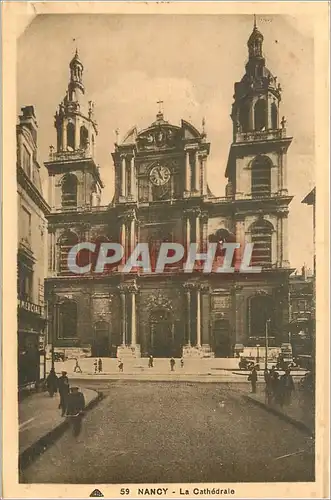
pixel 28 119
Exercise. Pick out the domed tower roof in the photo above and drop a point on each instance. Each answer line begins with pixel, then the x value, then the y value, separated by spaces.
pixel 76 61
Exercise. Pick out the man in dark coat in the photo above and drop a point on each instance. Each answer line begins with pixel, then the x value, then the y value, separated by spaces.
pixel 253 379
pixel 100 365
pixel 64 392
pixel 287 387
pixel 172 364
pixel 75 407
pixel 52 382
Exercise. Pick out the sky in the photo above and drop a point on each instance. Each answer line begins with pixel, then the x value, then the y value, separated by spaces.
pixel 191 62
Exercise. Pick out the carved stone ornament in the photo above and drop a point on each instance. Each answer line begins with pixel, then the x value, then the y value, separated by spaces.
pixel 158 300
pixel 261 292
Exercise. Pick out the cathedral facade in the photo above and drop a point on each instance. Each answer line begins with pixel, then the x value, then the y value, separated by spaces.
pixel 162 195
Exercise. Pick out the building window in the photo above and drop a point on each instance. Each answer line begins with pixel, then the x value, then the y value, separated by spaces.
pixel 261 236
pixel 302 305
pixel 244 117
pixel 25 225
pixel 26 160
pixel 69 191
pixel 25 282
pixel 66 242
pixel 67 316
pixel 83 137
pixel 193 166
pixel 261 176
pixel 274 116
pixel 260 112
pixel 71 136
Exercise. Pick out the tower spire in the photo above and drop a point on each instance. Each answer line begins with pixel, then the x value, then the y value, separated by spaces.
pixel 76 73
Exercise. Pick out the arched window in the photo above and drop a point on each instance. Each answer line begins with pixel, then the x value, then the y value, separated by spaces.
pixel 67 319
pixel 66 242
pixel 244 117
pixel 260 309
pixel 261 176
pixel 274 116
pixel 260 115
pixel 261 236
pixel 59 138
pixel 83 137
pixel 69 191
pixel 71 136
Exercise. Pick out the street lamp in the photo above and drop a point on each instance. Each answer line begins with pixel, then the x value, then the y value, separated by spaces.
pixel 258 353
pixel 266 343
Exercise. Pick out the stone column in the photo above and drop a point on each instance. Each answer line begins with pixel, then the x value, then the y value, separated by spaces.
pixel 198 231
pixel 197 172
pixel 123 239
pixel 133 179
pixel 77 134
pixel 123 316
pixel 204 175
pixel 285 261
pixel 123 175
pixel 283 167
pixel 276 246
pixel 198 317
pixel 268 113
pixel 132 233
pixel 251 124
pixel 204 222
pixel 187 171
pixel 64 136
pixel 133 318
pixel 188 318
pixel 188 232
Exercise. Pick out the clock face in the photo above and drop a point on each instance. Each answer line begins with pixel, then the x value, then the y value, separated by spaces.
pixel 159 175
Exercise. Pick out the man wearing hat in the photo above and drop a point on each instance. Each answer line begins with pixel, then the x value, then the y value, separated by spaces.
pixel 75 407
pixel 63 384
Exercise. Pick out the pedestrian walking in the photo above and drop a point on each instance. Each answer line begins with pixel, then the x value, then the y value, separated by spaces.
pixel 150 362
pixel 172 364
pixel 77 368
pixel 252 377
pixel 287 387
pixel 75 408
pixel 52 382
pixel 276 388
pixel 100 365
pixel 120 365
pixel 182 363
pixel 268 386
pixel 63 384
pixel 96 366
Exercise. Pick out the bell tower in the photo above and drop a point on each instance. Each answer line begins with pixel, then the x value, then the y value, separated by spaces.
pixel 74 178
pixel 257 169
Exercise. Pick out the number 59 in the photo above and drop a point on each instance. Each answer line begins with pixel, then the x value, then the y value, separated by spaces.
pixel 125 491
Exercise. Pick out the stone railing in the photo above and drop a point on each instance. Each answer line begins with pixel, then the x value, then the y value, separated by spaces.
pixel 260 135
pixel 78 154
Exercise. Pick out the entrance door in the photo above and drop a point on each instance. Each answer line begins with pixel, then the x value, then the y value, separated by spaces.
pixel 161 334
pixel 101 344
pixel 222 340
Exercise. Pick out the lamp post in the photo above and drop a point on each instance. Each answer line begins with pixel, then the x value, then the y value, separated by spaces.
pixel 258 353
pixel 266 343
pixel 53 304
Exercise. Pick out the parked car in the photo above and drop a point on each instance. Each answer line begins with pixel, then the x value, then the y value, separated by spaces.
pixel 246 364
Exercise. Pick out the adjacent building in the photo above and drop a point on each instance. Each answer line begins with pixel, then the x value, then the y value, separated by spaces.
pixel 162 195
pixel 32 239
